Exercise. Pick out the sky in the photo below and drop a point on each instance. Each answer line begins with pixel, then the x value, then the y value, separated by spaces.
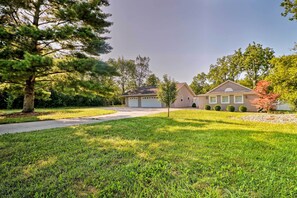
pixel 184 37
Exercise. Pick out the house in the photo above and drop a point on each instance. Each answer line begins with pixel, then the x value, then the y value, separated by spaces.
pixel 147 97
pixel 228 93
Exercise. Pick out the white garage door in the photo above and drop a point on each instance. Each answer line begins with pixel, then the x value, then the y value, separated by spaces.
pixel 133 102
pixel 150 101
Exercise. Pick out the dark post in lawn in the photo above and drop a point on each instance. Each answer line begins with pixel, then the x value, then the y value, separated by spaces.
pixel 167 91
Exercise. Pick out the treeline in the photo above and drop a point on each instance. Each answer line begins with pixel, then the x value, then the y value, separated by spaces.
pixel 56 99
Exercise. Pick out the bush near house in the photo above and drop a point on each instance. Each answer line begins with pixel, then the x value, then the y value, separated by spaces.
pixel 217 108
pixel 242 108
pixel 230 108
pixel 207 107
pixel 194 105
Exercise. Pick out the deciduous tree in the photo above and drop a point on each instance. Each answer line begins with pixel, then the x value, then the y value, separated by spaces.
pixel 226 68
pixel 284 78
pixel 142 70
pixel 152 80
pixel 266 98
pixel 167 92
pixel 256 62
pixel 199 84
pixel 290 7
pixel 126 70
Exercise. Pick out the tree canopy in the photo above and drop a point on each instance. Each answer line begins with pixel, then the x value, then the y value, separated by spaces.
pixel 256 62
pixel 283 78
pixel 199 84
pixel 152 80
pixel 290 7
pixel 43 41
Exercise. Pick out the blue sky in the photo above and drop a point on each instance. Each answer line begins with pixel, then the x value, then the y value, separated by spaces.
pixel 182 38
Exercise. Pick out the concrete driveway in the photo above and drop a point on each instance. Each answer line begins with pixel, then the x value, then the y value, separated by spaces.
pixel 122 112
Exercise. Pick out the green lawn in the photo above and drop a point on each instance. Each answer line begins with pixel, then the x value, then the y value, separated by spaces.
pixel 192 154
pixel 14 116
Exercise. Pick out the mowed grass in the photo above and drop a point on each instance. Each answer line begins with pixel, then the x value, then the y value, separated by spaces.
pixel 192 154
pixel 14 116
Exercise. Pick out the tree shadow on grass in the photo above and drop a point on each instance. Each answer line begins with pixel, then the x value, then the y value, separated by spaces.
pixel 215 121
pixel 164 132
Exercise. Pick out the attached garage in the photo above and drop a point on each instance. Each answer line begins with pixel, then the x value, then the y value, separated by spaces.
pixel 147 97
pixel 150 101
pixel 133 101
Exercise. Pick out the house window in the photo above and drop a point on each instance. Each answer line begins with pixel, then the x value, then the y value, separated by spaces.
pixel 225 99
pixel 212 100
pixel 238 99
pixel 228 89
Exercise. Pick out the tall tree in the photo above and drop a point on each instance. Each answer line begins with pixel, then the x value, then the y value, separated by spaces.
pixel 167 92
pixel 283 78
pixel 235 65
pixel 152 80
pixel 226 68
pixel 218 73
pixel 40 39
pixel 126 70
pixel 256 62
pixel 199 84
pixel 142 70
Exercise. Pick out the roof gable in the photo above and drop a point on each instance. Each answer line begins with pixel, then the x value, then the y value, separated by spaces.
pixel 181 85
pixel 229 87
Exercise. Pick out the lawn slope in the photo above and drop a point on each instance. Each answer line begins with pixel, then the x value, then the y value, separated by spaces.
pixel 192 154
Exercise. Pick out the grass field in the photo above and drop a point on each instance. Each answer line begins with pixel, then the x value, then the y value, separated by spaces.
pixel 14 116
pixel 192 154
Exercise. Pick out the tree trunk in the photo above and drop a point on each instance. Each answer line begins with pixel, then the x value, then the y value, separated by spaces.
pixel 28 105
pixel 168 112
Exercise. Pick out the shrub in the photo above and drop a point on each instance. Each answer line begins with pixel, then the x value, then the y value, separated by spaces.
pixel 242 108
pixel 230 108
pixel 217 108
pixel 194 105
pixel 207 107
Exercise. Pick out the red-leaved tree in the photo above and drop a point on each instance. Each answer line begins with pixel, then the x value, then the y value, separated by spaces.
pixel 266 98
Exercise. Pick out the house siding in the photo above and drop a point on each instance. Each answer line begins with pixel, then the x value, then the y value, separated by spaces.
pixel 184 98
pixel 247 102
pixel 248 97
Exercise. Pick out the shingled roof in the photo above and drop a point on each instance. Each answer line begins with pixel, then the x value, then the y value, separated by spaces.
pixel 149 90
pixel 142 90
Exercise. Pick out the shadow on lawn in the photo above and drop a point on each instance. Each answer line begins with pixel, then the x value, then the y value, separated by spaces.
pixel 214 121
pixel 168 132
